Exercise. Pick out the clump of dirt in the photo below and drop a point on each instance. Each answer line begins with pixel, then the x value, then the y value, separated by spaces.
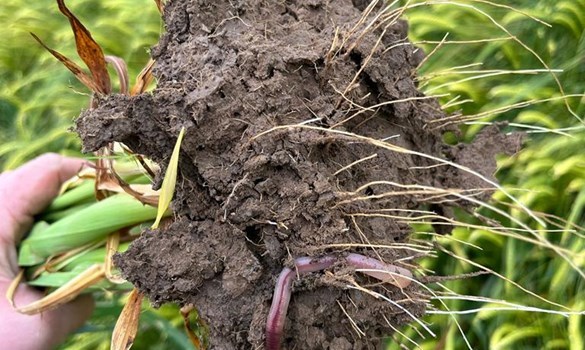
pixel 251 198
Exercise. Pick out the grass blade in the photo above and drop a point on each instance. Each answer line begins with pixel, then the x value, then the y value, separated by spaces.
pixel 169 182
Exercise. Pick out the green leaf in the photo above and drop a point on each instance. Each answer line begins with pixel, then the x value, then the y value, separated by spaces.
pixel 25 254
pixel 74 196
pixel 87 225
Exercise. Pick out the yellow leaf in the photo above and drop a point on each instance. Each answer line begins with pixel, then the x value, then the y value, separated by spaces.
pixel 12 287
pixel 112 245
pixel 127 324
pixel 67 292
pixel 169 182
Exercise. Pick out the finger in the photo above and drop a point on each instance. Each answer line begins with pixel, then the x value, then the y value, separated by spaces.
pixel 61 322
pixel 45 330
pixel 29 189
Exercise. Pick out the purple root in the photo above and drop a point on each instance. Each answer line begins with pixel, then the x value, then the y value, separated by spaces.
pixel 386 273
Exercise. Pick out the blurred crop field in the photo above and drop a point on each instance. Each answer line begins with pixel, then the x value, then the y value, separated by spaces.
pixel 519 64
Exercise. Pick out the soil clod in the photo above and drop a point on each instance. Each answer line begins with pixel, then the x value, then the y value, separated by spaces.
pixel 250 200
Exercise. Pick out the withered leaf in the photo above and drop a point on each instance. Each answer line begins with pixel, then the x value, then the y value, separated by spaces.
pixel 108 181
pixel 159 5
pixel 67 292
pixel 127 324
pixel 13 286
pixel 89 51
pixel 144 79
pixel 72 66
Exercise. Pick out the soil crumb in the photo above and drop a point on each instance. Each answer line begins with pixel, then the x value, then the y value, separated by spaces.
pixel 285 106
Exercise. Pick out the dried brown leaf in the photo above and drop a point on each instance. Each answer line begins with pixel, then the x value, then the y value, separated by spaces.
pixel 12 287
pixel 72 66
pixel 67 292
pixel 159 5
pixel 109 182
pixel 143 79
pixel 142 192
pixel 112 245
pixel 127 324
pixel 89 51
pixel 101 171
pixel 141 160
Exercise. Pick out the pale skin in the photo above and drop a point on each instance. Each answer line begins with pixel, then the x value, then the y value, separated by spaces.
pixel 25 192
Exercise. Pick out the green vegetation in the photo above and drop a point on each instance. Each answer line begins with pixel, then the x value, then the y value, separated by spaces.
pixel 39 98
pixel 548 175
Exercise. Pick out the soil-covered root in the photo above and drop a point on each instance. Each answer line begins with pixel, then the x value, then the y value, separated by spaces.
pixel 252 198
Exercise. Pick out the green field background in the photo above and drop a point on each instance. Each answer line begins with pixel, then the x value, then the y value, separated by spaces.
pixel 478 63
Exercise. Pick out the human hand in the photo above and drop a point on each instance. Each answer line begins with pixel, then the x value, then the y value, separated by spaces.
pixel 24 193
